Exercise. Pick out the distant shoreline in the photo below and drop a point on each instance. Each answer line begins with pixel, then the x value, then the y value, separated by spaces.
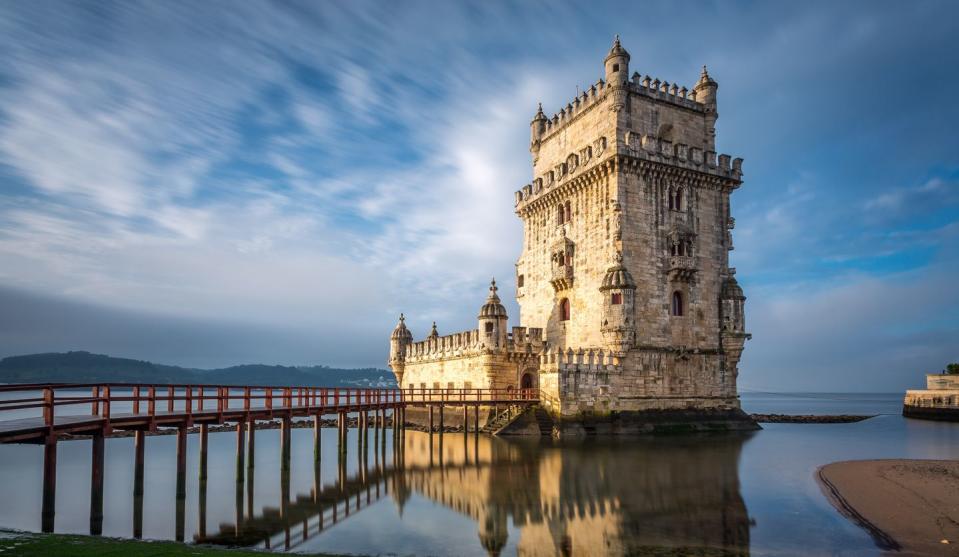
pixel 905 505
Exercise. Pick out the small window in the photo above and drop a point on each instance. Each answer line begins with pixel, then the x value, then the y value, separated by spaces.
pixel 489 326
pixel 450 385
pixel 412 386
pixel 564 310
pixel 561 259
pixel 436 384
pixel 679 200
pixel 468 385
pixel 615 67
pixel 677 304
pixel 569 212
pixel 560 214
pixel 519 281
pixel 617 298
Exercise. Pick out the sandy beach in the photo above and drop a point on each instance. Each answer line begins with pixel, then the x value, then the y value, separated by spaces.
pixel 906 505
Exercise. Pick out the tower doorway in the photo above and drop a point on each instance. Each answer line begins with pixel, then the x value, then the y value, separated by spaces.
pixel 526 382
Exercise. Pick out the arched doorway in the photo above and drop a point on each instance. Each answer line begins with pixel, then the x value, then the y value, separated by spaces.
pixel 526 382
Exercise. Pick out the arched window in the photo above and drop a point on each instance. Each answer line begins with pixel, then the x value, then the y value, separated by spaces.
pixel 672 200
pixel 560 214
pixel 679 199
pixel 678 303
pixel 617 298
pixel 561 259
pixel 564 310
pixel 569 212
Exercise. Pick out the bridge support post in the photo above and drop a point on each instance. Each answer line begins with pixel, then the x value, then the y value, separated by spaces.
pixel 250 445
pixel 476 427
pixel 341 431
pixel 285 444
pixel 317 438
pixel 431 418
pixel 139 440
pixel 48 510
pixel 96 484
pixel 240 450
pixel 466 419
pixel 441 420
pixel 204 446
pixel 181 434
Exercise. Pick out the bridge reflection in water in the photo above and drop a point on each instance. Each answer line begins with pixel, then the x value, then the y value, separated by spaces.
pixel 617 497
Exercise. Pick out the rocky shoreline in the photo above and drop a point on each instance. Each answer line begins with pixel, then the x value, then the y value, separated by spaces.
pixel 808 418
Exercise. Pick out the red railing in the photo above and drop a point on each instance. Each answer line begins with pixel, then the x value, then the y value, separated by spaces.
pixel 186 400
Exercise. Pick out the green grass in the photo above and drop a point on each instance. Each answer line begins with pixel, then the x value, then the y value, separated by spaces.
pixel 63 545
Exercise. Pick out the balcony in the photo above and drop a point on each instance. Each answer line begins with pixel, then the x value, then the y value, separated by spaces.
pixel 561 277
pixel 682 267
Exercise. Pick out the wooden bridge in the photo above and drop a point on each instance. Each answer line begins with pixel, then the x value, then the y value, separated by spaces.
pixel 44 413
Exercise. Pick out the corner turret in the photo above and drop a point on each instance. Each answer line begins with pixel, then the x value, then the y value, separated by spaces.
pixel 617 64
pixel 399 340
pixel 493 319
pixel 618 288
pixel 705 93
pixel 536 130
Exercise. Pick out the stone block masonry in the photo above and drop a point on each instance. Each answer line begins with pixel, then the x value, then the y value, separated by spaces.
pixel 628 304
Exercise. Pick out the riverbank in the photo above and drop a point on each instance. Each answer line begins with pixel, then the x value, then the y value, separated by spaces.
pixel 25 544
pixel 906 505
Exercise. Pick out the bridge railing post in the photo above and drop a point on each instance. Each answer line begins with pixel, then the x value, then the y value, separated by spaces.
pixel 152 400
pixel 169 405
pixel 246 398
pixel 48 399
pixel 106 402
pixel 95 405
pixel 136 400
pixel 188 400
pixel 201 396
pixel 268 393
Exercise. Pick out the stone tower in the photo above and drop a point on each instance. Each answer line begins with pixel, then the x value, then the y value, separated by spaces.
pixel 627 231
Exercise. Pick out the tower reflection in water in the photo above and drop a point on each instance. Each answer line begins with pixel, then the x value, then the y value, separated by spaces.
pixel 660 496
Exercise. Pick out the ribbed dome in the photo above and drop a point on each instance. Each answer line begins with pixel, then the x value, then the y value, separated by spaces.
pixel 617 277
pixel 492 307
pixel 617 50
pixel 732 290
pixel 401 332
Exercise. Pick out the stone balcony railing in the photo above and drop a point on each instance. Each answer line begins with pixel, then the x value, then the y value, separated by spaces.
pixel 561 277
pixel 682 267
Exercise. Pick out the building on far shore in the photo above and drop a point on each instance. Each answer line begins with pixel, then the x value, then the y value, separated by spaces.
pixel 630 313
pixel 938 401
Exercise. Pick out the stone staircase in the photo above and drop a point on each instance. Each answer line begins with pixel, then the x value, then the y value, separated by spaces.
pixel 512 414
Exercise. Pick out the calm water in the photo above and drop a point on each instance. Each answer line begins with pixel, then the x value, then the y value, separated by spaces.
pixel 473 495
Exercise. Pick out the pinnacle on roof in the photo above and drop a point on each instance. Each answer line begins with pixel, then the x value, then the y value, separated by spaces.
pixel 617 50
pixel 704 78
pixel 539 113
pixel 492 307
pixel 433 332
pixel 401 332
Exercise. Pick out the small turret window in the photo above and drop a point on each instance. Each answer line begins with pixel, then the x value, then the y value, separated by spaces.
pixel 615 67
pixel 560 214
pixel 569 212
pixel 489 326
pixel 617 298
pixel 519 281
pixel 564 309
pixel 677 304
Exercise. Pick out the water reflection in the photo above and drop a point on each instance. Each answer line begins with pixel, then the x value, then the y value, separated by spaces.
pixel 620 498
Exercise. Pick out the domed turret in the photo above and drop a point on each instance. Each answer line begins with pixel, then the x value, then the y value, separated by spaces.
pixel 617 64
pixel 733 305
pixel 732 290
pixel 536 129
pixel 399 340
pixel 492 320
pixel 619 289
pixel 617 277
pixel 706 89
pixel 433 332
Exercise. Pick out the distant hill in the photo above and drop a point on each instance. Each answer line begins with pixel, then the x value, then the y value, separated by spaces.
pixel 84 367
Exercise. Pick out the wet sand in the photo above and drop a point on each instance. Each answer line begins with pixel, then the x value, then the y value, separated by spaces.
pixel 907 505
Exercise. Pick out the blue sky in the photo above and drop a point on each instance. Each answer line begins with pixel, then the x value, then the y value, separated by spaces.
pixel 222 182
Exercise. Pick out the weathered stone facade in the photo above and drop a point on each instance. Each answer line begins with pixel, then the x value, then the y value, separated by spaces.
pixel 624 280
